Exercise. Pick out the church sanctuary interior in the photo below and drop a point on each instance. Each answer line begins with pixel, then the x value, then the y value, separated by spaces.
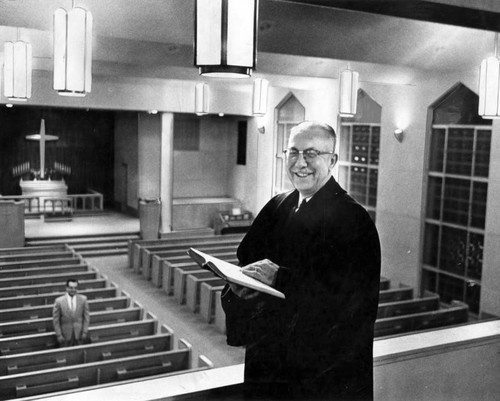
pixel 124 141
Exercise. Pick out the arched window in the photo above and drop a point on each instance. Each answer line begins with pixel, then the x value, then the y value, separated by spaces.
pixel 457 186
pixel 359 141
pixel 289 113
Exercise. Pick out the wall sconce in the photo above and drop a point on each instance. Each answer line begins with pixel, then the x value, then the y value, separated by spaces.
pixel 348 92
pixel 261 126
pixel 72 52
pixel 201 101
pixel 17 70
pixel 489 86
pixel 225 37
pixel 399 134
pixel 259 105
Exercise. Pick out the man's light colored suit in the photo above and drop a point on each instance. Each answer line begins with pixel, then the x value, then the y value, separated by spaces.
pixel 71 324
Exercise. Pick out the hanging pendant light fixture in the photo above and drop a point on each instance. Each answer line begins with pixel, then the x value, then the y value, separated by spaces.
pixel 489 86
pixel 72 51
pixel 17 70
pixel 201 101
pixel 260 87
pixel 226 37
pixel 348 89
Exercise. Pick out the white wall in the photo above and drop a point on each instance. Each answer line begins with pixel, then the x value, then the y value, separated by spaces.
pixel 206 172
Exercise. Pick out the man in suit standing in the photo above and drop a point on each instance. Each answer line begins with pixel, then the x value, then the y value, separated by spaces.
pixel 319 247
pixel 71 316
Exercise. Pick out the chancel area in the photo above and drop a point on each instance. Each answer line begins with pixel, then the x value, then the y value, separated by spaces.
pixel 115 163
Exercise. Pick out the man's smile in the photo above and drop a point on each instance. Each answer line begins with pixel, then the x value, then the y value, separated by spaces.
pixel 302 174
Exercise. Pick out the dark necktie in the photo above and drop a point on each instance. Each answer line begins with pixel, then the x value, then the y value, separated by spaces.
pixel 301 207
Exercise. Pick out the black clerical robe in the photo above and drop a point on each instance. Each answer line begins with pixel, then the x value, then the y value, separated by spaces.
pixel 317 343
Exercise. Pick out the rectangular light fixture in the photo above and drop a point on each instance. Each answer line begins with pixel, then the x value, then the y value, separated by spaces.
pixel 201 101
pixel 17 70
pixel 260 88
pixel 489 86
pixel 72 52
pixel 225 43
pixel 348 89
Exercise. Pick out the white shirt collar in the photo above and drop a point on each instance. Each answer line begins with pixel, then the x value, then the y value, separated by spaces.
pixel 301 198
pixel 70 299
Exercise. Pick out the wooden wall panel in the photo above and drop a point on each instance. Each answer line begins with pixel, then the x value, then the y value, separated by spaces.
pixel 85 144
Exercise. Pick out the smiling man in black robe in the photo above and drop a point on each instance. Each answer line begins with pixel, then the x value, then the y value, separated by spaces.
pixel 325 257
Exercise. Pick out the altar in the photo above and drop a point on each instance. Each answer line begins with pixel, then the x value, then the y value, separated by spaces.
pixel 44 188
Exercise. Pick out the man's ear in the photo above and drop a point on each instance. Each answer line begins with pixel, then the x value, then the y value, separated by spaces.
pixel 334 160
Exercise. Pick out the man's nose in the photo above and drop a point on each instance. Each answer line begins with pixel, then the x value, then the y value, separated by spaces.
pixel 301 160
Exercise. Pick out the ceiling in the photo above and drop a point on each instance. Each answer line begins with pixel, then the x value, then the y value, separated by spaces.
pixel 153 38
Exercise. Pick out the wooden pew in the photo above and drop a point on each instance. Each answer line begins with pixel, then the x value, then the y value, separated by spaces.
pixel 27 301
pixel 385 283
pixel 109 332
pixel 181 283
pixel 148 253
pixel 39 312
pixel 405 307
pixel 96 373
pixel 74 260
pixel 193 290
pixel 134 244
pixel 220 316
pixel 49 288
pixel 389 296
pixel 155 272
pixel 36 271
pixel 47 359
pixel 46 279
pixel 208 291
pixel 44 325
pixel 32 249
pixel 168 275
pixel 180 279
pixel 456 313
pixel 35 256
pixel 395 294
pixel 137 261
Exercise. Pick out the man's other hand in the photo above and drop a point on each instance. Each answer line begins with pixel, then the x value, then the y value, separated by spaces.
pixel 263 270
pixel 243 292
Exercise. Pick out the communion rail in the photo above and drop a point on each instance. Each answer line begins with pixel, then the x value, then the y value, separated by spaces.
pixel 74 203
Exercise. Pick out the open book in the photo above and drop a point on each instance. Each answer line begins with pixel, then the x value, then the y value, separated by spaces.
pixel 231 273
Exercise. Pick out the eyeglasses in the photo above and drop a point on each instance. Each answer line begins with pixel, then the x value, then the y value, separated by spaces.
pixel 307 154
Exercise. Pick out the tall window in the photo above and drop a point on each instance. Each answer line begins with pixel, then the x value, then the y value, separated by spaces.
pixel 456 200
pixel 359 146
pixel 289 113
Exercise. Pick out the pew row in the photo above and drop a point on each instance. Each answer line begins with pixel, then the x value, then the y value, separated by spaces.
pixel 37 271
pixel 456 313
pixel 180 278
pixel 39 312
pixel 66 356
pixel 32 250
pixel 151 267
pixel 139 256
pixel 90 274
pixel 209 291
pixel 157 364
pixel 48 299
pixel 109 332
pixel 430 301
pixel 75 259
pixel 22 257
pixel 133 243
pixel 44 325
pixel 49 288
